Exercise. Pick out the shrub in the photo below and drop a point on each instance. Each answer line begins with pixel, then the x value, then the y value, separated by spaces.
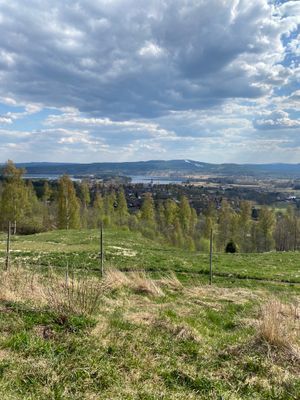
pixel 231 247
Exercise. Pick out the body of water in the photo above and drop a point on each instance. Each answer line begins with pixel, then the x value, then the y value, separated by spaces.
pixel 49 177
pixel 145 179
pixel 155 180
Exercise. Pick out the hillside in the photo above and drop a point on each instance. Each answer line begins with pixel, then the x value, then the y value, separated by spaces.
pixel 171 167
pixel 143 331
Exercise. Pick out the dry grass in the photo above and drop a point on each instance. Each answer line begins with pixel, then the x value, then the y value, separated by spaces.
pixel 181 331
pixel 229 295
pixel 279 326
pixel 141 284
pixel 21 285
pixel 74 295
pixel 70 294
pixel 171 282
pixel 138 282
pixel 115 279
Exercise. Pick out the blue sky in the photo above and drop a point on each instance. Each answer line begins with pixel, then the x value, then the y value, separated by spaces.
pixel 126 80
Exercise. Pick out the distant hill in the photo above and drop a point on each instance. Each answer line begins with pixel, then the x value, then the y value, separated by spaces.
pixel 167 168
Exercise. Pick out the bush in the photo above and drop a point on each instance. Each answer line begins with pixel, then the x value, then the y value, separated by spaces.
pixel 231 247
pixel 29 226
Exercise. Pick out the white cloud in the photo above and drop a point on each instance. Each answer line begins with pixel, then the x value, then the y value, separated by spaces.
pixel 126 57
pixel 277 120
pixel 214 80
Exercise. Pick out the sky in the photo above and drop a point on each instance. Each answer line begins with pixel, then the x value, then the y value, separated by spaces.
pixel 127 80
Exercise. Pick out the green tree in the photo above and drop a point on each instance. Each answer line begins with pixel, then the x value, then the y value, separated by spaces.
pixel 210 221
pixel 98 210
pixel 160 217
pixel 265 229
pixel 122 213
pixel 46 195
pixel 225 231
pixel 244 227
pixel 68 205
pixel 147 211
pixel 84 195
pixel 185 215
pixel 32 219
pixel 14 201
pixel 287 230
pixel 110 201
pixel 47 192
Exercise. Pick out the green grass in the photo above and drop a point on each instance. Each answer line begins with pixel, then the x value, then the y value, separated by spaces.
pixel 129 250
pixel 194 342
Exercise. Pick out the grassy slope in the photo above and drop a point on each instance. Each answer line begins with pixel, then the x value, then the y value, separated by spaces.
pixel 195 342
pixel 128 250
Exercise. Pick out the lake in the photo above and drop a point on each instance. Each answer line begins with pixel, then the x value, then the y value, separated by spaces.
pixel 145 179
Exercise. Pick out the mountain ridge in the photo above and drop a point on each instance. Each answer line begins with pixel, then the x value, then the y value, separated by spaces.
pixel 179 167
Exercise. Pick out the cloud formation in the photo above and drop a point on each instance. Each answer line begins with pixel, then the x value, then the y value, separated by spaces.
pixel 149 79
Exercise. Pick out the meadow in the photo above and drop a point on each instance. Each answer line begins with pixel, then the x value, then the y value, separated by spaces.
pixel 152 327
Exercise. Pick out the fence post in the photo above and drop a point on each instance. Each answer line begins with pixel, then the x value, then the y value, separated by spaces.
pixel 7 260
pixel 210 256
pixel 101 251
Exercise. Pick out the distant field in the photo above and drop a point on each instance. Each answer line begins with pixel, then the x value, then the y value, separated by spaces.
pixel 153 335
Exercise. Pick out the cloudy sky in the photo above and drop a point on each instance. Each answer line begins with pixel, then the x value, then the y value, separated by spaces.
pixel 125 80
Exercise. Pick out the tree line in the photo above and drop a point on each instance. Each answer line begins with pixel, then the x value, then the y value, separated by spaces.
pixel 173 221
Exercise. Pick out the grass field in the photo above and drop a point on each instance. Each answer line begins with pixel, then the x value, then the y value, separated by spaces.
pixel 129 250
pixel 146 335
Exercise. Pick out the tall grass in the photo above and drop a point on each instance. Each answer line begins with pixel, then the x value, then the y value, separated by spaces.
pixel 280 326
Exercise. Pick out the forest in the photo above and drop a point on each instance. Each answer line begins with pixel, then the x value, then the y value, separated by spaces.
pixel 75 205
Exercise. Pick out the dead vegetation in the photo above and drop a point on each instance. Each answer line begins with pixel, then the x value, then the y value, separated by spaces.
pixel 69 293
pixel 141 284
pixel 74 295
pixel 178 331
pixel 137 281
pixel 171 282
pixel 229 295
pixel 279 327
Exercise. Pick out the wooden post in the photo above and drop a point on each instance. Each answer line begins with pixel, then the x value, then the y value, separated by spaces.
pixel 210 256
pixel 7 260
pixel 101 251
